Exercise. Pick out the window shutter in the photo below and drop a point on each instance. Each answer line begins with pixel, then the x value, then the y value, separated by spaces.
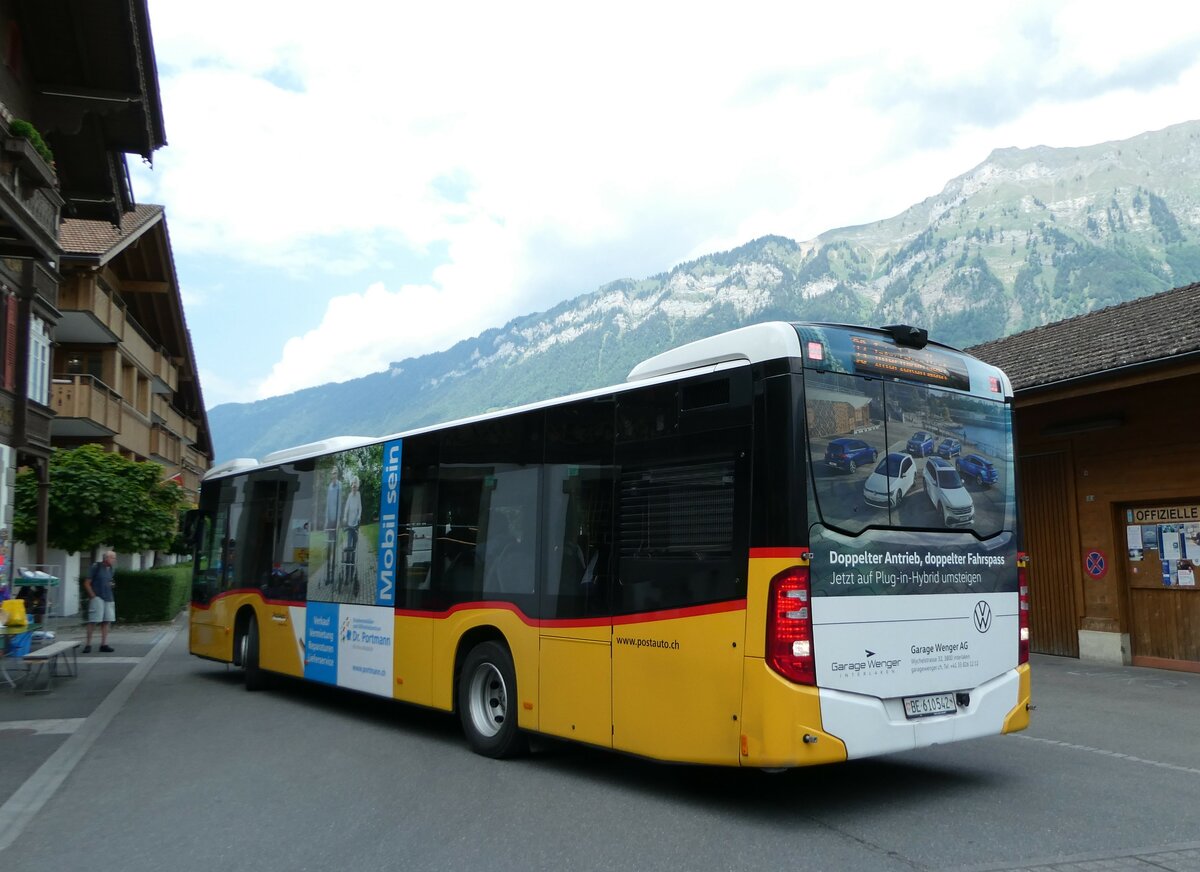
pixel 10 343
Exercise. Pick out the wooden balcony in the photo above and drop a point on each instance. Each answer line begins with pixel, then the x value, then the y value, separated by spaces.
pixel 91 315
pixel 165 372
pixel 165 447
pixel 38 422
pixel 162 412
pixel 194 461
pixel 84 407
pixel 136 348
pixel 135 432
pixel 31 200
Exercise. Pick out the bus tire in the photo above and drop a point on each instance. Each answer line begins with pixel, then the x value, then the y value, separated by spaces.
pixel 487 702
pixel 256 678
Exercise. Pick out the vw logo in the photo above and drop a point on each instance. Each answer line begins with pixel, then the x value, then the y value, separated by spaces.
pixel 983 616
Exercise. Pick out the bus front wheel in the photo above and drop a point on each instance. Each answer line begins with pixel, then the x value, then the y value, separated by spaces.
pixel 256 679
pixel 487 702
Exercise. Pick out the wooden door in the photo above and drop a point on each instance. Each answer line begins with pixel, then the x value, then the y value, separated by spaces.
pixel 1164 620
pixel 1047 501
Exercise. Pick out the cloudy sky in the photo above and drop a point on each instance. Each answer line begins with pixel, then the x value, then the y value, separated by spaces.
pixel 355 183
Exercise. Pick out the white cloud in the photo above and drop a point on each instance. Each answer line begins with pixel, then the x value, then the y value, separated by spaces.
pixel 215 383
pixel 548 147
pixel 364 333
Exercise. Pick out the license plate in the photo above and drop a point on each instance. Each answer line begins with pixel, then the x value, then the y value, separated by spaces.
pixel 928 706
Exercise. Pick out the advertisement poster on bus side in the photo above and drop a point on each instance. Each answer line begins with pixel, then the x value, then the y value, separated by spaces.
pixel 902 646
pixel 389 529
pixel 345 532
pixel 365 649
pixel 897 562
pixel 349 646
pixel 320 642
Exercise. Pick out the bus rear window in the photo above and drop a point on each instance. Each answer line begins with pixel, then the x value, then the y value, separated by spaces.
pixel 896 454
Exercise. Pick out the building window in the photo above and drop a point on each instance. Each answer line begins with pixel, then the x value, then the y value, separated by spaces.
pixel 85 363
pixel 39 362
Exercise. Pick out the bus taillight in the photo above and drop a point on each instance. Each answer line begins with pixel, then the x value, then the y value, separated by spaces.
pixel 789 627
pixel 1023 607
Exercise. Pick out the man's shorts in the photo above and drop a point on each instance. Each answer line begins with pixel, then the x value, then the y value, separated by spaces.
pixel 101 611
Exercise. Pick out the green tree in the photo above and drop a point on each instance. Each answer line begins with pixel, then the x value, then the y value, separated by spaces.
pixel 100 498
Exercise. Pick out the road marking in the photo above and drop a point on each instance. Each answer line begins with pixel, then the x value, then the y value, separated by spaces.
pixel 46 726
pixel 1155 859
pixel 37 790
pixel 1115 754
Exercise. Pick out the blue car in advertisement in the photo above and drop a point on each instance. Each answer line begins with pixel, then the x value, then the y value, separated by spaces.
pixel 949 447
pixel 920 445
pixel 849 454
pixel 974 466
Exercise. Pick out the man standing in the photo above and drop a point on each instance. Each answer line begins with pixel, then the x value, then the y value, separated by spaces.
pixel 102 607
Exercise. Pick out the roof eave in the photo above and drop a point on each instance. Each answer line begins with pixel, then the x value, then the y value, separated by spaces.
pixel 1130 369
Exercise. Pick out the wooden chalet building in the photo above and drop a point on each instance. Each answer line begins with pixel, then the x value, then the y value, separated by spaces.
pixel 1107 412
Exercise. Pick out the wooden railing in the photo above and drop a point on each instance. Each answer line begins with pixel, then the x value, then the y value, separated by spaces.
pixel 165 445
pixel 84 396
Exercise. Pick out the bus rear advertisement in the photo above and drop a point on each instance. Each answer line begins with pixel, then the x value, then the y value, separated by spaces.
pixel 785 545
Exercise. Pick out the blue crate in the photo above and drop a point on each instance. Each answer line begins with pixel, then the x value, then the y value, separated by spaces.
pixel 18 646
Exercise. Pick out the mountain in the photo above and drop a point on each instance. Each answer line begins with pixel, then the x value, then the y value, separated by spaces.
pixel 1028 237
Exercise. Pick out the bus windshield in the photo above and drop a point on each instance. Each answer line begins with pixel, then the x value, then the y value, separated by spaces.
pixel 894 454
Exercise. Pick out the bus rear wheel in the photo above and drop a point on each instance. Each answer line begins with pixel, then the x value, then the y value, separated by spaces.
pixel 487 702
pixel 256 678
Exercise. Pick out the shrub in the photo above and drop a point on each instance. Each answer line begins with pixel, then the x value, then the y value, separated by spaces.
pixel 148 595
pixel 27 131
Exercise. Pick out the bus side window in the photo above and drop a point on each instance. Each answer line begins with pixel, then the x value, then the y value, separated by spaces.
pixel 509 537
pixel 485 537
pixel 578 531
pixel 577 508
pixel 455 532
pixel 683 507
pixel 416 524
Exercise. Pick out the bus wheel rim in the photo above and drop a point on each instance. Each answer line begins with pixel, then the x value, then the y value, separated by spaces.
pixel 488 700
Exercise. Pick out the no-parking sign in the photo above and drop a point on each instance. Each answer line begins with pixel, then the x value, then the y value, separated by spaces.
pixel 1095 563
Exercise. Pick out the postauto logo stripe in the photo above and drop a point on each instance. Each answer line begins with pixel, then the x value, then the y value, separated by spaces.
pixel 389 511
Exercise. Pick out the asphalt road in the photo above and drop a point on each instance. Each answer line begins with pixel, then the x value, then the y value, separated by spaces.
pixel 190 772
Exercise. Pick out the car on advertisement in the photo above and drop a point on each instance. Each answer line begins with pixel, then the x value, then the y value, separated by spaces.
pixel 849 454
pixel 944 487
pixel 977 467
pixel 920 445
pixel 892 479
pixel 949 447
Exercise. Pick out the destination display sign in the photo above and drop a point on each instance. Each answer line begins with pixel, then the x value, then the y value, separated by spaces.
pixel 873 356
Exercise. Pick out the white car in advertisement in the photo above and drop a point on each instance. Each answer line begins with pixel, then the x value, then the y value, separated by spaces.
pixel 945 489
pixel 892 479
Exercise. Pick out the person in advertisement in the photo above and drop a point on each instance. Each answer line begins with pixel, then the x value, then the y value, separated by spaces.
pixel 333 498
pixel 352 514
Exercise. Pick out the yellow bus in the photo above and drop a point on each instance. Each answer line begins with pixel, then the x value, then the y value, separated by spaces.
pixel 785 545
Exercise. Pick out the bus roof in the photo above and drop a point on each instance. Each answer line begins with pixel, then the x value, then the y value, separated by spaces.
pixel 753 344
pixel 770 340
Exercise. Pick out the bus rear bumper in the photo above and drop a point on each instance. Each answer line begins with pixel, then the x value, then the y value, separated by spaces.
pixel 781 722
pixel 871 726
